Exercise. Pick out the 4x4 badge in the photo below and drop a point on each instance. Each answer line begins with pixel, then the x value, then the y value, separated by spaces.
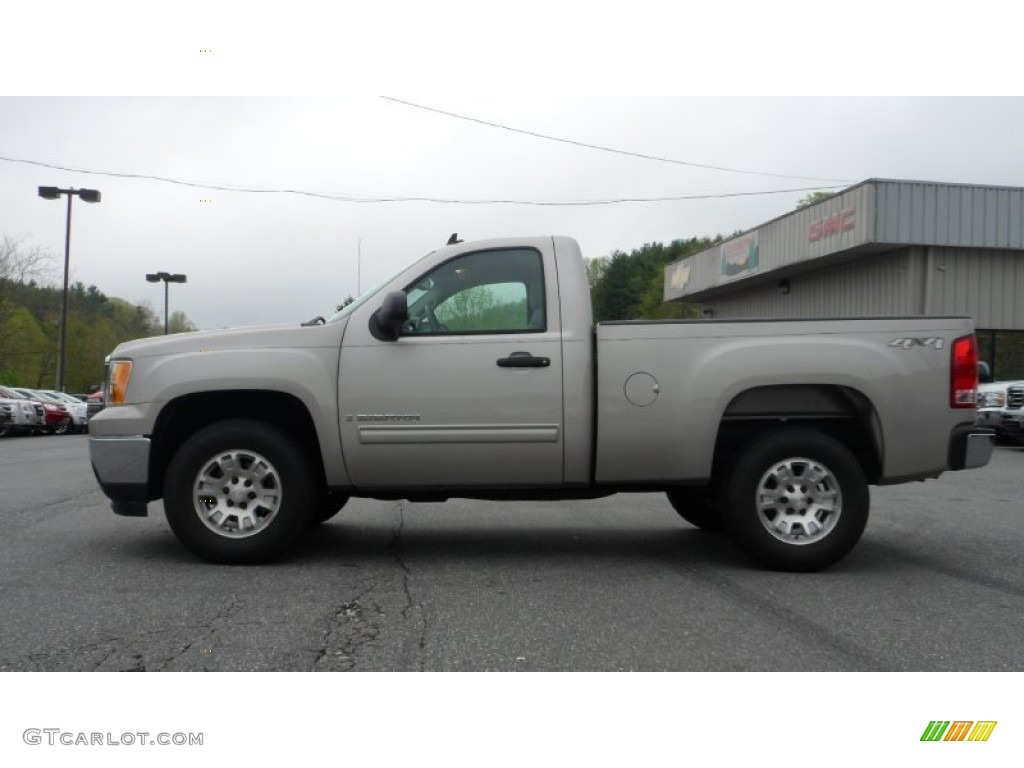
pixel 935 342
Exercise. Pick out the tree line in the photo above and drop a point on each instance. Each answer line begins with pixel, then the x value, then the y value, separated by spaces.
pixel 631 286
pixel 30 308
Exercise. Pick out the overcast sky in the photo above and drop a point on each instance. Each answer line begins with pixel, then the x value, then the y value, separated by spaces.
pixel 599 77
pixel 254 257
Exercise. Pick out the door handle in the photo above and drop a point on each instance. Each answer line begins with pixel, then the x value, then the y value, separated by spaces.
pixel 523 360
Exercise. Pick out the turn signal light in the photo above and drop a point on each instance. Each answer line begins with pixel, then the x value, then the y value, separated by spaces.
pixel 120 371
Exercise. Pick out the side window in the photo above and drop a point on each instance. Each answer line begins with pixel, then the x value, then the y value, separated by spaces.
pixel 486 292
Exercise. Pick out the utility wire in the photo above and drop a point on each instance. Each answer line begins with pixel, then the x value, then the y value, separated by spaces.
pixel 610 149
pixel 440 200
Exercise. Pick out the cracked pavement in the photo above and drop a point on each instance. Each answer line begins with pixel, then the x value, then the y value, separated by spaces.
pixel 615 584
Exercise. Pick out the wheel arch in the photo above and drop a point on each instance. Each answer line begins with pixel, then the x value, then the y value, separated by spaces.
pixel 185 415
pixel 841 412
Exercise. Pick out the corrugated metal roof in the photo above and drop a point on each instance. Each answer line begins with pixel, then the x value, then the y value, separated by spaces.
pixel 928 213
pixel 863 219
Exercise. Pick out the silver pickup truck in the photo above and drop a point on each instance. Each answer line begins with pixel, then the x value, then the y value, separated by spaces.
pixel 477 372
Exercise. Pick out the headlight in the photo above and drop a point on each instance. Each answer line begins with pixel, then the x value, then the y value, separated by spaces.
pixel 993 400
pixel 117 381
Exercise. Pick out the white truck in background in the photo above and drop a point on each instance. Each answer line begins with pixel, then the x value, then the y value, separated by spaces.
pixel 1001 407
pixel 478 372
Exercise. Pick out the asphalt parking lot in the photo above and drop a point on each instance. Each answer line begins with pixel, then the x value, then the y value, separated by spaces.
pixel 937 583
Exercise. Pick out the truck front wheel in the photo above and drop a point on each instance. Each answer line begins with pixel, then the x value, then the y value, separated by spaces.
pixel 239 491
pixel 796 500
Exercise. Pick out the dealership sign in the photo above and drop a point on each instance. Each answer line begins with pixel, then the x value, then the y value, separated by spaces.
pixel 831 225
pixel 739 256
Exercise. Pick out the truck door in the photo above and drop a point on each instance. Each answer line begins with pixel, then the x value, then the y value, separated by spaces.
pixel 470 394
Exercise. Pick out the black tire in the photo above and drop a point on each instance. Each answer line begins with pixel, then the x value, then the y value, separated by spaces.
pixel 266 501
pixel 63 428
pixel 795 500
pixel 330 505
pixel 698 507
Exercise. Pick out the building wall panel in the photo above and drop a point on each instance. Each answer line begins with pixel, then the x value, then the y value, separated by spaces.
pixel 878 285
pixel 986 284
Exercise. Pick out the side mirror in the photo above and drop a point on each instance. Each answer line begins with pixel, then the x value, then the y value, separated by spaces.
pixel 386 323
pixel 984 373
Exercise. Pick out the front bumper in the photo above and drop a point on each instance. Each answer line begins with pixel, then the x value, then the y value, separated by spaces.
pixel 1011 423
pixel 991 418
pixel 970 447
pixel 121 466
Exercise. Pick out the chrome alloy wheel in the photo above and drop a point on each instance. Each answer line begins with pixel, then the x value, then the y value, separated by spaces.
pixel 237 493
pixel 799 501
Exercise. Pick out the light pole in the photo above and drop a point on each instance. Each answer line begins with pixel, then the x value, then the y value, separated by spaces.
pixel 167 277
pixel 89 196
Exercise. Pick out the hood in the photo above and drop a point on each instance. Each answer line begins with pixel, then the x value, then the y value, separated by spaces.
pixel 998 386
pixel 292 336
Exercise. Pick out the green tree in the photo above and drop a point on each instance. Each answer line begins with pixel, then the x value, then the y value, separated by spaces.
pixel 465 310
pixel 631 286
pixel 595 269
pixel 179 323
pixel 813 199
pixel 19 263
pixel 27 352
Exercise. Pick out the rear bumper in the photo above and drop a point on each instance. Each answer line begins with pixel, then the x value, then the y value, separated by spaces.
pixel 970 447
pixel 121 466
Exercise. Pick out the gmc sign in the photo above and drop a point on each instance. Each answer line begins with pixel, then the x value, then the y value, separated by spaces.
pixel 830 225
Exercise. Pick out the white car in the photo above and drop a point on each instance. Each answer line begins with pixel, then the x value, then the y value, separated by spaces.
pixel 78 409
pixel 25 418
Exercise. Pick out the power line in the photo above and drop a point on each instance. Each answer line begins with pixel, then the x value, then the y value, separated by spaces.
pixel 610 149
pixel 398 199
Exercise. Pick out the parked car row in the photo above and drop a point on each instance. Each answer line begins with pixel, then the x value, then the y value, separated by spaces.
pixel 41 411
pixel 1001 407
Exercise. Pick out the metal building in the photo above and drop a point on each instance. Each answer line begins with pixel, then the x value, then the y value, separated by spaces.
pixel 881 247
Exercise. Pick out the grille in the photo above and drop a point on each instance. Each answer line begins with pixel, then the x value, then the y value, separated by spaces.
pixel 1015 397
pixel 40 413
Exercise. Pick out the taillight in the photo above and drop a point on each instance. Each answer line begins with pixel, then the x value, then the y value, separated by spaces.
pixel 963 382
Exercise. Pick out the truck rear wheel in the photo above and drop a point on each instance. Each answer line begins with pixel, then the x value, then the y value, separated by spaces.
pixel 697 507
pixel 239 491
pixel 796 500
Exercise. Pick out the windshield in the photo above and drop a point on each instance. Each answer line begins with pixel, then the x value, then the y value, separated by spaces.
pixel 350 308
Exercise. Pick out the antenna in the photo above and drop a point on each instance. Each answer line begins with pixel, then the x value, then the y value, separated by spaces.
pixel 359 267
